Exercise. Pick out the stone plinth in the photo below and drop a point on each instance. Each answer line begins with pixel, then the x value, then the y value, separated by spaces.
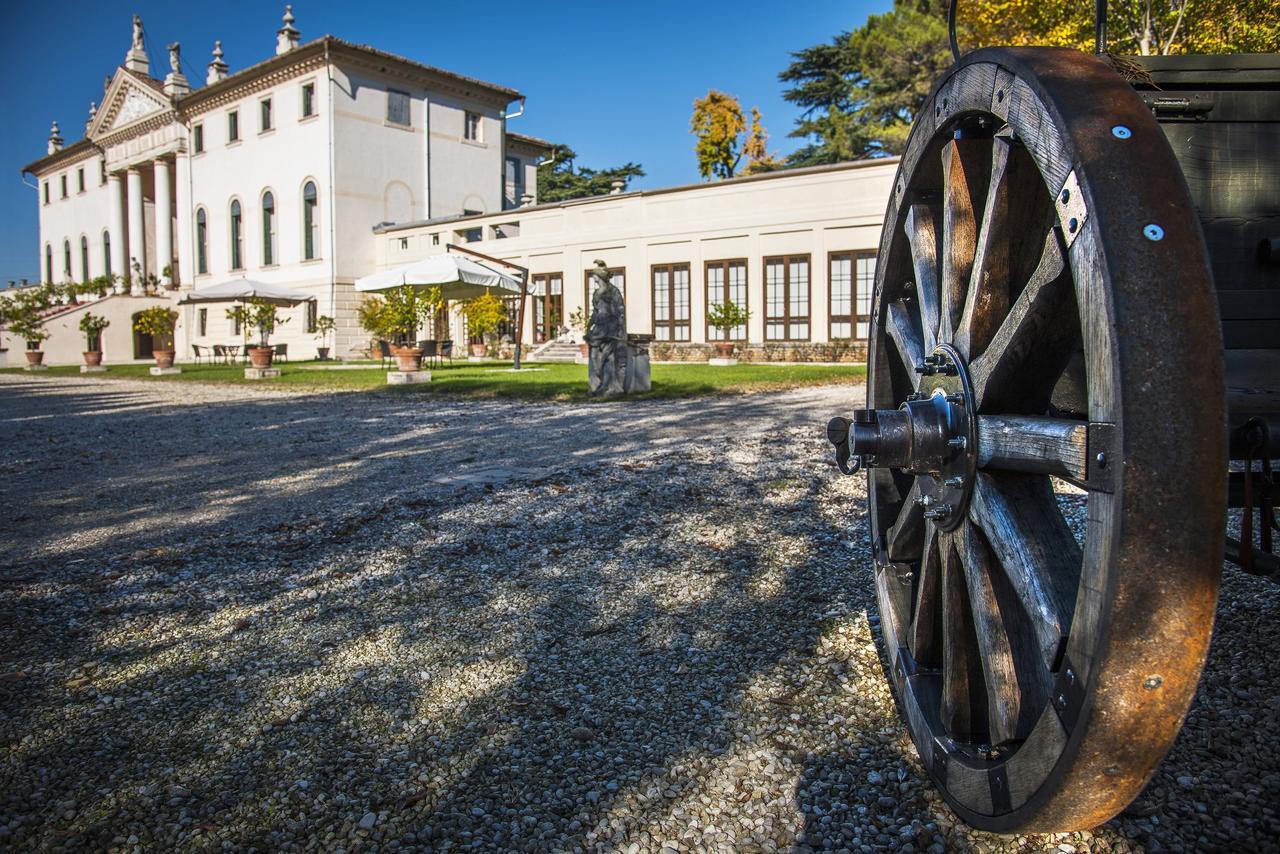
pixel 408 377
pixel 35 367
pixel 261 373
pixel 164 372
pixel 722 363
pixel 93 369
pixel 477 358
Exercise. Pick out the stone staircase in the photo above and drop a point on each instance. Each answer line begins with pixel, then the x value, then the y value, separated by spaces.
pixel 562 349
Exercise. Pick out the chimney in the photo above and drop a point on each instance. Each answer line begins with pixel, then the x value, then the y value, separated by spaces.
pixel 175 83
pixel 55 139
pixel 136 58
pixel 526 199
pixel 616 186
pixel 287 36
pixel 217 68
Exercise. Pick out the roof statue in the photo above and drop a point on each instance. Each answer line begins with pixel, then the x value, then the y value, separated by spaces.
pixel 138 34
pixel 136 59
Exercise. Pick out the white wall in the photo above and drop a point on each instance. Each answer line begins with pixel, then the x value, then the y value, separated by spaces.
pixel 86 214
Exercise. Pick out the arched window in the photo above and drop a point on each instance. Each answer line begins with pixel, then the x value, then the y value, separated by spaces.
pixel 48 262
pixel 310 222
pixel 66 260
pixel 84 259
pixel 237 236
pixel 106 252
pixel 202 242
pixel 268 229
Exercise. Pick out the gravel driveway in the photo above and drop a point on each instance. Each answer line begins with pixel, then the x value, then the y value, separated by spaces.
pixel 235 619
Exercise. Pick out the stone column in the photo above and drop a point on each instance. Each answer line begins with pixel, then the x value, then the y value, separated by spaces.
pixel 137 226
pixel 119 255
pixel 164 221
pixel 186 254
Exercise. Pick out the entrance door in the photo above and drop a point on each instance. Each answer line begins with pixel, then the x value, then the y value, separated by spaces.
pixel 548 306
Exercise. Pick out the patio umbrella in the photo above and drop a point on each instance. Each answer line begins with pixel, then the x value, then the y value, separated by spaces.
pixel 243 290
pixel 457 277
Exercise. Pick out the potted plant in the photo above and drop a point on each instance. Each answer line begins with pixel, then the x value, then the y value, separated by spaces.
pixel 158 322
pixel 484 315
pixel 726 317
pixel 404 309
pixel 578 323
pixel 324 326
pixel 264 317
pixel 92 325
pixel 23 315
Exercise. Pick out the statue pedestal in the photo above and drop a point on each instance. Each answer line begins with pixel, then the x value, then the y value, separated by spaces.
pixel 261 373
pixel 408 377
pixel 722 363
pixel 93 369
pixel 164 372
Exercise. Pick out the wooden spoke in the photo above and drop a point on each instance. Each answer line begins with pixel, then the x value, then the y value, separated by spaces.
pixel 905 539
pixel 902 330
pixel 1034 321
pixel 922 234
pixel 963 697
pixel 1017 683
pixel 966 166
pixel 926 618
pixel 1054 446
pixel 1038 554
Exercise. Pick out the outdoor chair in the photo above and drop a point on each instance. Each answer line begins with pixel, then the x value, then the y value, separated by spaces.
pixel 282 352
pixel 198 353
pixel 446 350
pixel 384 353
pixel 430 350
pixel 220 353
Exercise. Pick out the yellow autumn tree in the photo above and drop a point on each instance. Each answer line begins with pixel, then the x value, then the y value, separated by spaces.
pixel 717 123
pixel 756 148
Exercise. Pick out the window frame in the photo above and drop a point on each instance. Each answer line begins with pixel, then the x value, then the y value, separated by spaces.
pixel 46 192
pixel 310 222
pixel 80 186
pixel 307 100
pixel 233 126
pixel 270 243
pixel 66 258
pixel 84 257
pixel 542 303
pixel 197 138
pixel 854 317
pixel 202 241
pixel 392 94
pixel 266 116
pixel 467 118
pixel 725 264
pixel 106 252
pixel 235 233
pixel 787 319
pixel 63 179
pixel 202 322
pixel 311 311
pixel 48 262
pixel 672 324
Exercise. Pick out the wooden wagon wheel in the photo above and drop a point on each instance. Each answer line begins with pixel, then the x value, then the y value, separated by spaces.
pixel 1043 309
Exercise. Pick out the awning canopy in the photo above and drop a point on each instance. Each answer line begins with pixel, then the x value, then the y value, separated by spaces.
pixel 243 290
pixel 457 278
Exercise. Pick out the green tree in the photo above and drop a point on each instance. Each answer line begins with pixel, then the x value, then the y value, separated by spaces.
pixel 716 124
pixel 560 180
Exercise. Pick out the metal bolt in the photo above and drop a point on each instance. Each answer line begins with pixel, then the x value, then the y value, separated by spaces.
pixel 923 500
pixel 1121 132
pixel 948 370
pixel 1112 770
pixel 1073 225
pixel 916 395
pixel 926 370
pixel 933 359
pixel 1066 195
pixel 954 482
pixel 940 512
pixel 1153 232
pixel 1102 460
pixel 1152 683
pixel 958 442
pixel 957 398
pixel 1071 676
pixel 1061 702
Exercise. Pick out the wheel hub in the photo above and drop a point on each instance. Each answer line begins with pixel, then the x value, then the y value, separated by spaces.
pixel 932 435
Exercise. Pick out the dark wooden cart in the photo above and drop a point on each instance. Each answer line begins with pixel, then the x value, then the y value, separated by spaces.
pixel 1078 285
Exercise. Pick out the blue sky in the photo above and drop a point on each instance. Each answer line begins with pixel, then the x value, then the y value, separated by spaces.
pixel 614 81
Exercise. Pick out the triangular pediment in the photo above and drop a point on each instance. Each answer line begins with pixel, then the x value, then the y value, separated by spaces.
pixel 128 99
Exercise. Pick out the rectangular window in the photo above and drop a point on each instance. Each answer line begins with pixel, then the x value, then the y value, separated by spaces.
pixel 102 170
pixel 786 298
pixel 398 108
pixel 851 278
pixel 197 139
pixel 46 192
pixel 547 294
pixel 235 325
pixel 311 316
pixel 64 186
pixel 264 115
pixel 233 126
pixel 727 281
pixel 308 100
pixel 80 178
pixel 202 322
pixel 471 128
pixel 435 239
pixel 513 182
pixel 670 302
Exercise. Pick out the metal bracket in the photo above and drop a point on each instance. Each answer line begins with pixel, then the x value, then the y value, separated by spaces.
pixel 938 767
pixel 1102 457
pixel 1072 212
pixel 998 782
pixel 1068 695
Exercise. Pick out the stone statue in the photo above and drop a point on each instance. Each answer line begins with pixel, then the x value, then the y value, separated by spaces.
pixel 175 58
pixel 137 34
pixel 606 337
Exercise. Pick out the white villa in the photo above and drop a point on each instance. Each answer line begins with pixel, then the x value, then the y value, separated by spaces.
pixel 330 160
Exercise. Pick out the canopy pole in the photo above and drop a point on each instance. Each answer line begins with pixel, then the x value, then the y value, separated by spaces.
pixel 524 287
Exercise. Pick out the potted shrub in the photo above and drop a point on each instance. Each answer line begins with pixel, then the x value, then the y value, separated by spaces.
pixel 578 323
pixel 404 309
pixel 92 325
pixel 324 326
pixel 264 317
pixel 484 315
pixel 158 322
pixel 726 317
pixel 23 316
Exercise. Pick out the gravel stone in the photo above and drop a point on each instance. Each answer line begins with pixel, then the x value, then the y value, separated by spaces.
pixel 245 619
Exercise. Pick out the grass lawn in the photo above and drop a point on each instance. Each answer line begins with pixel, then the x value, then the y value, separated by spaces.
pixel 549 381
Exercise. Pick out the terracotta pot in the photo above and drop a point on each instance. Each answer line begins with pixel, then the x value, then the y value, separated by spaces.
pixel 409 358
pixel 724 349
pixel 479 350
pixel 585 349
pixel 164 358
pixel 93 358
pixel 322 353
pixel 260 357
pixel 35 357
